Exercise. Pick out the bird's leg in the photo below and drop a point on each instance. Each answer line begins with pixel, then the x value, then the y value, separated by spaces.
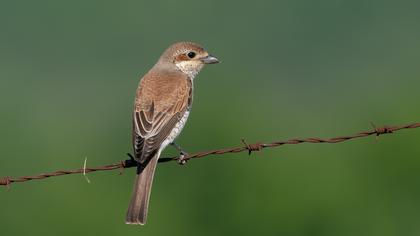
pixel 180 150
pixel 131 156
pixel 182 154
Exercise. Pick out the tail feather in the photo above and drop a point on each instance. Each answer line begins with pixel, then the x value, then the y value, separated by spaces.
pixel 137 211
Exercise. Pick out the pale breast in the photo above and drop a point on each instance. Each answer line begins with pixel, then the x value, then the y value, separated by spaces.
pixel 176 130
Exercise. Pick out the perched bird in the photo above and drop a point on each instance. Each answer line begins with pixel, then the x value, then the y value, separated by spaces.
pixel 162 105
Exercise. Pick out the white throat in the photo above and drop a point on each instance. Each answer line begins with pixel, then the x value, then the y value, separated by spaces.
pixel 189 68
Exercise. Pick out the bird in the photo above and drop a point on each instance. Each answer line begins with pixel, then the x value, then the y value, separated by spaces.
pixel 161 108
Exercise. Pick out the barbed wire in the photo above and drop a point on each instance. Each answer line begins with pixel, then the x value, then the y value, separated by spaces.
pixel 7 181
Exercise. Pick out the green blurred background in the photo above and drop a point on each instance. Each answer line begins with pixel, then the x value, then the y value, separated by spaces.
pixel 293 68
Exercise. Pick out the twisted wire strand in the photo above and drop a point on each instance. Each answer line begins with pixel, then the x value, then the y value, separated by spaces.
pixel 7 180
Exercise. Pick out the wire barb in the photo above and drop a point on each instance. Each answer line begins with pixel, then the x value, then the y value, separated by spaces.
pixel 7 181
pixel 84 171
pixel 252 147
pixel 381 130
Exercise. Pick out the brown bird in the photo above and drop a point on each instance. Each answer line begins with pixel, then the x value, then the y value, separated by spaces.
pixel 162 105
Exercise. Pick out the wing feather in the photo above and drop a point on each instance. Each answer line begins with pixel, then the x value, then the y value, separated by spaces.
pixel 159 107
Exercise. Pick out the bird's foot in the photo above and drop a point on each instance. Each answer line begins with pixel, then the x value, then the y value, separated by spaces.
pixel 183 155
pixel 183 158
pixel 131 161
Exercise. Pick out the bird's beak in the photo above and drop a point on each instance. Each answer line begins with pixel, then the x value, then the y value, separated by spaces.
pixel 209 60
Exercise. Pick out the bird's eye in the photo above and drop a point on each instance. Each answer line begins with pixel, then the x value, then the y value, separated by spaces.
pixel 191 55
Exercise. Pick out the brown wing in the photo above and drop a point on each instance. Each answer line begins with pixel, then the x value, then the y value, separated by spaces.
pixel 161 101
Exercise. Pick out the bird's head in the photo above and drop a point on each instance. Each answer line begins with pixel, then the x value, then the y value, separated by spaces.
pixel 187 57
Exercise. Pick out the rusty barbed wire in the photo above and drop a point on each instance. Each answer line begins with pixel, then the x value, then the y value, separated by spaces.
pixel 7 181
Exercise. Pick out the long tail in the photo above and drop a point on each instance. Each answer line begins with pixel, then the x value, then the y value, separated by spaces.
pixel 137 211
